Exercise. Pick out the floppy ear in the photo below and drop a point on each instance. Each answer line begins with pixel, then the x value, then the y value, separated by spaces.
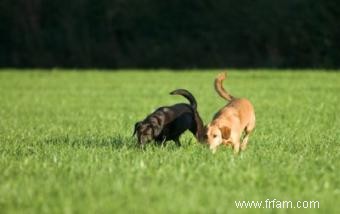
pixel 203 134
pixel 225 131
pixel 156 130
pixel 136 126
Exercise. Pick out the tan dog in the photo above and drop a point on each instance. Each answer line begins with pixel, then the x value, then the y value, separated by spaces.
pixel 229 122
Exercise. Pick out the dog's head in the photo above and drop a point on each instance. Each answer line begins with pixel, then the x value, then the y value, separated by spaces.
pixel 214 136
pixel 145 132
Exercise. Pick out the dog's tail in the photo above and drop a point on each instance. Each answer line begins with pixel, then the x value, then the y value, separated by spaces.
pixel 219 87
pixel 187 95
pixel 199 123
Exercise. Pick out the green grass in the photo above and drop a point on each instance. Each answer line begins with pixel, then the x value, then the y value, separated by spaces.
pixel 66 145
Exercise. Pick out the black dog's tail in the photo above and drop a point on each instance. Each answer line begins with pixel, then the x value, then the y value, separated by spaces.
pixel 199 123
pixel 187 95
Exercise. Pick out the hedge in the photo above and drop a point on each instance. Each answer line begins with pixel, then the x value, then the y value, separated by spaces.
pixel 173 34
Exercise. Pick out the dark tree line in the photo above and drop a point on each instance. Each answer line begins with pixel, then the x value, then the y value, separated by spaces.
pixel 174 33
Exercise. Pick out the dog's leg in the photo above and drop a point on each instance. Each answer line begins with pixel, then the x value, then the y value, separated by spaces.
pixel 245 140
pixel 237 147
pixel 177 142
pixel 227 142
pixel 249 128
pixel 162 142
pixel 235 138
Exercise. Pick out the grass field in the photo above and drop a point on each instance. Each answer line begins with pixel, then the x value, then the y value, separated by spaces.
pixel 66 144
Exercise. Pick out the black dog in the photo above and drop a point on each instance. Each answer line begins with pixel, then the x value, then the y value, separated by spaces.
pixel 169 122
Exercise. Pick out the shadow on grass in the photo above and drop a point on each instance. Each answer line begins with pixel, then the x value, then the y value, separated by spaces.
pixel 114 142
pixel 90 141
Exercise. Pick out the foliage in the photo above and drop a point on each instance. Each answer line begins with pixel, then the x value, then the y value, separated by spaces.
pixel 177 33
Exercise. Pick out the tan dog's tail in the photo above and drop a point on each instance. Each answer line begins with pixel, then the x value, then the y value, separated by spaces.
pixel 219 87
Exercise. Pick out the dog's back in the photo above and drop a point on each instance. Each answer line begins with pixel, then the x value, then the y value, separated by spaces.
pixel 241 109
pixel 167 114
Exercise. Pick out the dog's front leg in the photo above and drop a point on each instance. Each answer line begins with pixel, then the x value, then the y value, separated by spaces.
pixel 227 142
pixel 236 143
pixel 237 147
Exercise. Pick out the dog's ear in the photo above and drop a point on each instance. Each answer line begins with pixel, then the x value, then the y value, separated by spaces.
pixel 136 127
pixel 225 131
pixel 156 129
pixel 203 134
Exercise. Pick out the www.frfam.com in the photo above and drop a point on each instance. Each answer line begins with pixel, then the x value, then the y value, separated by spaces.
pixel 274 203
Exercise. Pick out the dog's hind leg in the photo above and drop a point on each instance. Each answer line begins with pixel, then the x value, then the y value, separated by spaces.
pixel 245 140
pixel 247 132
pixel 177 142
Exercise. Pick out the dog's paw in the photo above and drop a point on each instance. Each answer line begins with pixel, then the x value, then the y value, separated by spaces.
pixel 213 150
